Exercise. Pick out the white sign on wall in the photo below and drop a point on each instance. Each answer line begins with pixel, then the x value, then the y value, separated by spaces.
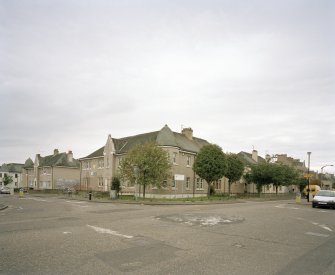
pixel 179 177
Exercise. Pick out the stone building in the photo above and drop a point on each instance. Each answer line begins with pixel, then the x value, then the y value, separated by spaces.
pixel 13 170
pixel 99 167
pixel 56 171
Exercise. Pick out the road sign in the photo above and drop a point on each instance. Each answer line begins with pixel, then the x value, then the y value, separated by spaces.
pixel 306 175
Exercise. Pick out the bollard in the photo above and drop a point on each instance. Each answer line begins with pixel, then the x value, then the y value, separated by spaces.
pixel 21 192
pixel 90 196
pixel 298 198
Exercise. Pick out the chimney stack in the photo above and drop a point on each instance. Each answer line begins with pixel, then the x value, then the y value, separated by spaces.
pixel 188 132
pixel 255 155
pixel 56 152
pixel 267 158
pixel 70 156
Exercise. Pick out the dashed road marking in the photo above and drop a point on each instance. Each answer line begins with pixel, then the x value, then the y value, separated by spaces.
pixel 34 199
pixel 78 203
pixel 108 231
pixel 317 234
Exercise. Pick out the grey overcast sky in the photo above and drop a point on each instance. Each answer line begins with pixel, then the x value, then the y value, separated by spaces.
pixel 243 74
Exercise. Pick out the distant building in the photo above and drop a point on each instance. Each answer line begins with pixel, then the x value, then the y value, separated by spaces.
pixel 14 170
pixel 56 171
pixel 253 158
pixel 295 163
pixel 248 160
pixel 98 168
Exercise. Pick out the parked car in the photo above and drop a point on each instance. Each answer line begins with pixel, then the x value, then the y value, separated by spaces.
pixel 324 198
pixel 4 190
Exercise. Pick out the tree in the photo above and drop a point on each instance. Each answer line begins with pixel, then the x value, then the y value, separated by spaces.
pixel 116 185
pixel 210 164
pixel 235 169
pixel 301 182
pixel 283 175
pixel 153 164
pixel 7 179
pixel 261 175
pixel 272 173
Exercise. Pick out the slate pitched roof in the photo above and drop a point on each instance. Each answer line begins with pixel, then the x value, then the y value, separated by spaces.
pixel 247 159
pixel 28 164
pixel 11 167
pixel 164 137
pixel 97 153
pixel 60 159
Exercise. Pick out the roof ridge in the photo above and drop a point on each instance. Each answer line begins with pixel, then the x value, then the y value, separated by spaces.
pixel 123 138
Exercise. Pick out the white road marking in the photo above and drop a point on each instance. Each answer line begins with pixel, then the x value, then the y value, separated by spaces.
pixel 108 231
pixel 78 203
pixel 34 199
pixel 325 227
pixel 66 232
pixel 317 234
pixel 322 226
pixel 284 206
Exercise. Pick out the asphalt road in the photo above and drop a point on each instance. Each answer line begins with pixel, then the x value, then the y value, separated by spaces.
pixel 48 235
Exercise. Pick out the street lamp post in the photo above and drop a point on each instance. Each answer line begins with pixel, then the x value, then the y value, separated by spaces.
pixel 309 162
pixel 322 173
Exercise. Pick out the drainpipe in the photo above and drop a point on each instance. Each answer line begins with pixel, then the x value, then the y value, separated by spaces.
pixel 52 178
pixel 80 168
pixel 193 183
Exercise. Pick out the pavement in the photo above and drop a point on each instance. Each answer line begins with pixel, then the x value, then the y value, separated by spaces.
pixel 148 201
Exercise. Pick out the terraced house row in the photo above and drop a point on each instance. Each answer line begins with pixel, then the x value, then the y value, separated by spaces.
pixel 94 172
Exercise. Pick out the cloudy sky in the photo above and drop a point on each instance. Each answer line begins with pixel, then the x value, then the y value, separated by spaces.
pixel 243 74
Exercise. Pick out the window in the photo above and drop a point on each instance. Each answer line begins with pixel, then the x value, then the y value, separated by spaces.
pixel 101 181
pixel 174 158
pixel 188 181
pixel 86 165
pixel 188 161
pixel 198 183
pixel 16 176
pixel 101 163
pixel 119 162
pixel 0 175
pixel 218 185
pixel 107 160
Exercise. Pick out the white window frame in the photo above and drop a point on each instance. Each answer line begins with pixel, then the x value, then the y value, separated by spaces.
pixel 188 161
